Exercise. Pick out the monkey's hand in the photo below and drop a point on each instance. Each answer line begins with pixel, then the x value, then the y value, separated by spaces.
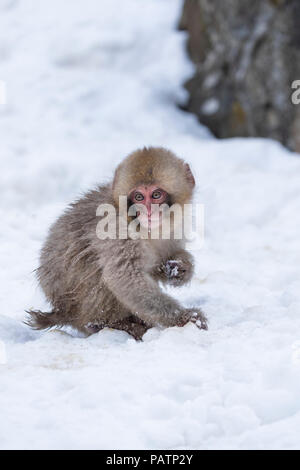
pixel 193 315
pixel 177 271
pixel 139 293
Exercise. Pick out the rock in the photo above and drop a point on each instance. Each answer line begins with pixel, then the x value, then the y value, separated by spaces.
pixel 247 56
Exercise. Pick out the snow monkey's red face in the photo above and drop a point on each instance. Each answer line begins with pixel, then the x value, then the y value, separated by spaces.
pixel 149 199
pixel 157 185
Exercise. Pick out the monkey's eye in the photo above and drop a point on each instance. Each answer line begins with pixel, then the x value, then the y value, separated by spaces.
pixel 139 197
pixel 156 194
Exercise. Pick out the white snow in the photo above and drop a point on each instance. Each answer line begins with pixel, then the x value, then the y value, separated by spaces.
pixel 87 82
pixel 210 106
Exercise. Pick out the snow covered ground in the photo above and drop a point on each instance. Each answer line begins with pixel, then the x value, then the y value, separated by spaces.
pixel 87 82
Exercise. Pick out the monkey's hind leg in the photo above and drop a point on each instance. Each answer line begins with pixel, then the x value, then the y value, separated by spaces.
pixel 133 325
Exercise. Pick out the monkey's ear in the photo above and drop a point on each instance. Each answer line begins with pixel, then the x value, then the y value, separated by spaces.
pixel 116 176
pixel 189 175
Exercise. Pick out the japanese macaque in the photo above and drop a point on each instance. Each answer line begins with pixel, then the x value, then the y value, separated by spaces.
pixel 114 282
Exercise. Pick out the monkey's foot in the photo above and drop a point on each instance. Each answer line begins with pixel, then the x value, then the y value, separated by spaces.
pixel 133 325
pixel 194 316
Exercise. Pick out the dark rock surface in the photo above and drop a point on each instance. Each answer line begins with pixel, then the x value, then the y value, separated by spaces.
pixel 247 55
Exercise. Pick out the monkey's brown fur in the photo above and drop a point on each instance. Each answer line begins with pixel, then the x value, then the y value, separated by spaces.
pixel 93 283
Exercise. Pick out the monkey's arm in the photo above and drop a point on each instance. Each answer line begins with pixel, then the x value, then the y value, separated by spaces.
pixel 139 292
pixel 177 270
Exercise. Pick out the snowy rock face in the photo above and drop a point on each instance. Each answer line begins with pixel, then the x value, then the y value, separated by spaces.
pixel 247 56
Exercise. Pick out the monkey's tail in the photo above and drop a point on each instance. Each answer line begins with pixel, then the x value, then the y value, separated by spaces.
pixel 42 320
